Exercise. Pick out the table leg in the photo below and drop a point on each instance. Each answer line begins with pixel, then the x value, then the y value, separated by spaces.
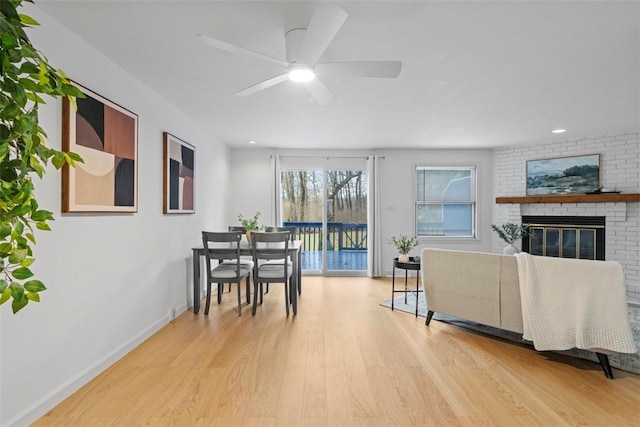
pixel 293 290
pixel 406 277
pixel 196 281
pixel 417 290
pixel 299 271
pixel 393 285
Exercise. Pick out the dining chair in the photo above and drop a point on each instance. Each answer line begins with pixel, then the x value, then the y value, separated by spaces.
pixel 291 230
pixel 225 246
pixel 268 247
pixel 243 260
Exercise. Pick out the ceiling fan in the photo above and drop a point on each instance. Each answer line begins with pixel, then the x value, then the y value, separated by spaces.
pixel 304 46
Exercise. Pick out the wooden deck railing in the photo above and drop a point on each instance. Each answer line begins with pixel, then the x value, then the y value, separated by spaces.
pixel 341 236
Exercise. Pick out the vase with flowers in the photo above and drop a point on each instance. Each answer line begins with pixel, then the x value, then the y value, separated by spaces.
pixel 250 224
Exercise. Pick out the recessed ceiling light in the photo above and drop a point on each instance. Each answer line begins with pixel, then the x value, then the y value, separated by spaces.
pixel 252 142
pixel 558 131
pixel 301 75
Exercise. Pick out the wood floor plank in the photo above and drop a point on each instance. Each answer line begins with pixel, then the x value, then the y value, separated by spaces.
pixel 342 361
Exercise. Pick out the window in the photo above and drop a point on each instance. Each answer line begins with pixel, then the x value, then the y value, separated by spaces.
pixel 445 201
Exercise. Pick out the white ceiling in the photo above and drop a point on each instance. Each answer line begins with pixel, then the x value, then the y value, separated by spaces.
pixel 475 74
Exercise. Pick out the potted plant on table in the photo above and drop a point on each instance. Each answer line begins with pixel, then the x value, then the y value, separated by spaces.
pixel 404 244
pixel 510 233
pixel 250 224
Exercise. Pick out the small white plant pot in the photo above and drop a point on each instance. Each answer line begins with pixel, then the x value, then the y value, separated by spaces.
pixel 510 250
pixel 403 258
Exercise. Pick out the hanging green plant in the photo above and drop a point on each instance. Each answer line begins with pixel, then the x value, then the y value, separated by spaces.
pixel 25 76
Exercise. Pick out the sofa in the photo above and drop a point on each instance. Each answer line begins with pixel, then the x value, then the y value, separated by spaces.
pixel 479 287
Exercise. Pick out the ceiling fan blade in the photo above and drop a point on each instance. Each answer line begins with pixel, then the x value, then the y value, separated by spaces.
pixel 263 85
pixel 320 92
pixel 228 47
pixel 383 69
pixel 325 24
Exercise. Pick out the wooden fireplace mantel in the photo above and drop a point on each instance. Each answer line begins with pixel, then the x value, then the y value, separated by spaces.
pixel 573 198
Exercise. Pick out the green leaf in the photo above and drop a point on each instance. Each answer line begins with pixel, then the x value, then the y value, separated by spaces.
pixel 41 215
pixel 9 41
pixel 17 290
pixel 42 76
pixel 6 294
pixel 18 304
pixel 58 160
pixel 37 166
pixel 73 91
pixel 43 226
pixel 26 262
pixel 35 98
pixel 17 256
pixel 28 51
pixel 73 102
pixel 5 229
pixel 27 20
pixel 29 84
pixel 29 68
pixel 3 285
pixel 5 249
pixel 33 296
pixel 20 210
pixel 74 156
pixel 4 147
pixel 21 273
pixel 34 286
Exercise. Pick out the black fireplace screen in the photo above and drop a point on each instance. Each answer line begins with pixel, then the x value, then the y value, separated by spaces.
pixel 565 236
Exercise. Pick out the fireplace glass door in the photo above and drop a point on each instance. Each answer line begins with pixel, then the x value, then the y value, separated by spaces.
pixel 565 237
pixel 563 242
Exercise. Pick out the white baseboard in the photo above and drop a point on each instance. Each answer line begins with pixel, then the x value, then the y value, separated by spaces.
pixel 179 310
pixel 49 401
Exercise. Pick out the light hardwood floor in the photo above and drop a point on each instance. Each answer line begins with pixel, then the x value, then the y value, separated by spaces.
pixel 343 361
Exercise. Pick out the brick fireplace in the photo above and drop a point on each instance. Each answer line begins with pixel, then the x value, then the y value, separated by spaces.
pixel 619 169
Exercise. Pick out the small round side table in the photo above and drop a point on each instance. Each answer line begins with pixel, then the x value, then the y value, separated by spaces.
pixel 412 264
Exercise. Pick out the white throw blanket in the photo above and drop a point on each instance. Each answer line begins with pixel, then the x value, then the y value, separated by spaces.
pixel 572 303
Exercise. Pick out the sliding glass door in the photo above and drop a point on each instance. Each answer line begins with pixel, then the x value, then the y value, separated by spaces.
pixel 346 214
pixel 329 209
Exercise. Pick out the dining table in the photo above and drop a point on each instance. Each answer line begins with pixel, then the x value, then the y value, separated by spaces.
pixel 294 249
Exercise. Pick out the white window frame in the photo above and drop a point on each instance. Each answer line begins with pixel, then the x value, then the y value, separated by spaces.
pixel 472 201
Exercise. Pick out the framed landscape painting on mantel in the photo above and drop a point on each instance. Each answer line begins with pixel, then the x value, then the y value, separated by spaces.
pixel 563 175
pixel 179 176
pixel 105 135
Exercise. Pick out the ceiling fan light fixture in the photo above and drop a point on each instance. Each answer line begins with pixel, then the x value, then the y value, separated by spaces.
pixel 301 75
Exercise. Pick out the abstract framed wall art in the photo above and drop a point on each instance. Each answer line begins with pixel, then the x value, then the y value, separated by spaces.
pixel 105 135
pixel 179 175
pixel 563 175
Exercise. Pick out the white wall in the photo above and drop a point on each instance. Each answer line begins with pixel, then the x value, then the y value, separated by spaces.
pixel 115 279
pixel 619 169
pixel 251 190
